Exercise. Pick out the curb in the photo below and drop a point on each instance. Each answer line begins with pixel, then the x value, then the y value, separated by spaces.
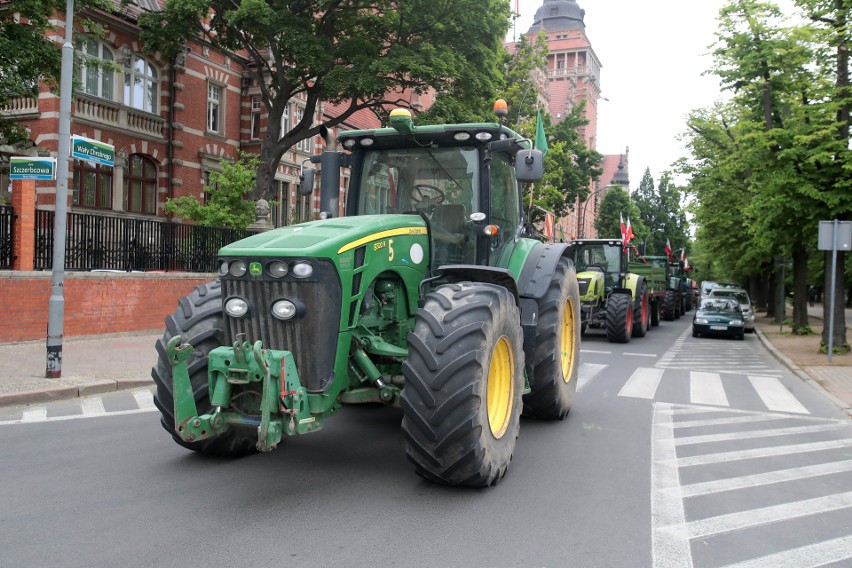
pixel 802 374
pixel 88 388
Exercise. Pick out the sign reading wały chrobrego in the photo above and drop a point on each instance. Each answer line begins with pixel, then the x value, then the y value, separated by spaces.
pixel 92 150
pixel 32 167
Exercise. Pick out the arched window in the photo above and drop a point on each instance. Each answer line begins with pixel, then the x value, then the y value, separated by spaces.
pixel 92 185
pixel 140 185
pixel 141 85
pixel 96 78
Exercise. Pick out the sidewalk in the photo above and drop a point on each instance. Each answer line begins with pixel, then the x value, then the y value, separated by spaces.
pixel 94 365
pixel 800 353
pixel 90 365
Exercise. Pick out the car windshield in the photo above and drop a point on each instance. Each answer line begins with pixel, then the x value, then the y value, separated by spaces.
pixel 719 305
pixel 741 297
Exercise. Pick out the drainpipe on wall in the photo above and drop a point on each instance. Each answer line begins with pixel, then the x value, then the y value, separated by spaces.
pixel 171 140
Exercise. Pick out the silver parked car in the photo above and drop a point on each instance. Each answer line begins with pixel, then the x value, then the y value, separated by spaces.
pixel 744 300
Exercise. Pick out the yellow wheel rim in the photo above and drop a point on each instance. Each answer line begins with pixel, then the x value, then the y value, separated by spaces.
pixel 500 396
pixel 567 344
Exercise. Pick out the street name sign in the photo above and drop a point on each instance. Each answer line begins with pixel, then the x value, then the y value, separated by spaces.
pixel 26 167
pixel 92 150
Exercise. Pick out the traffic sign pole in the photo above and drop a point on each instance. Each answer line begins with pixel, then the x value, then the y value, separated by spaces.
pixel 833 279
pixel 56 305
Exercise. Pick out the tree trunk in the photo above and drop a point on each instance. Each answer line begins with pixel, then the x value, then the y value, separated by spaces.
pixel 800 288
pixel 839 342
pixel 770 287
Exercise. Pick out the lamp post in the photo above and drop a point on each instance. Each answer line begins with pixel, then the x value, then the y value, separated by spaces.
pixel 645 242
pixel 586 204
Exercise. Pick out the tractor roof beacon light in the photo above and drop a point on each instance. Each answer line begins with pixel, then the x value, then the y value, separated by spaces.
pixel 501 110
pixel 400 120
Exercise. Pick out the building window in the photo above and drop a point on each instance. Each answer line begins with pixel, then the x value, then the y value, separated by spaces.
pixel 306 145
pixel 141 85
pixel 140 185
pixel 214 108
pixel 92 185
pixel 285 121
pixel 256 105
pixel 96 76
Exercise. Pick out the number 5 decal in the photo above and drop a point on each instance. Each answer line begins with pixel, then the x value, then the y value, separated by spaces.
pixel 390 250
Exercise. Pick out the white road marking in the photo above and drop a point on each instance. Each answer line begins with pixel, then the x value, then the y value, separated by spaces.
pixel 765 515
pixel 706 388
pixel 642 383
pixel 76 416
pixel 751 434
pixel 764 452
pixel 587 372
pixel 726 421
pixel 92 406
pixel 669 539
pixel 641 354
pixel 767 478
pixel 144 399
pixel 810 556
pixel 37 414
pixel 775 395
pixel 592 351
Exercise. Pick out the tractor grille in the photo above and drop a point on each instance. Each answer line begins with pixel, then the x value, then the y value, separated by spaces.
pixel 311 338
pixel 583 284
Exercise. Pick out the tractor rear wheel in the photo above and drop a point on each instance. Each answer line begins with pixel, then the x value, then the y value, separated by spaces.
pixel 199 322
pixel 556 357
pixel 669 308
pixel 640 311
pixel 619 318
pixel 463 384
pixel 655 311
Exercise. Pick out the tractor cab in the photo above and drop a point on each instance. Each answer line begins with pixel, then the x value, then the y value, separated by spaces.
pixel 603 256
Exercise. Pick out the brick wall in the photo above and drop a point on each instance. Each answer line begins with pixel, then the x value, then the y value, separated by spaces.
pixel 95 302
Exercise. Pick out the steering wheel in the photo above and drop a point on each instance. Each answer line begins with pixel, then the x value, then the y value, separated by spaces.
pixel 425 192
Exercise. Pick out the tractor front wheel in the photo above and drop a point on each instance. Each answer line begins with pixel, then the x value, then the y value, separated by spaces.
pixel 463 384
pixel 669 307
pixel 556 357
pixel 199 322
pixel 619 318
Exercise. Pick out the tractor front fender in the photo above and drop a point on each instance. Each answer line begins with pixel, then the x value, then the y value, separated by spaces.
pixel 539 268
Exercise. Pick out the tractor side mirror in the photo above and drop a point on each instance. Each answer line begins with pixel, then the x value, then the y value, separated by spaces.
pixel 529 165
pixel 306 181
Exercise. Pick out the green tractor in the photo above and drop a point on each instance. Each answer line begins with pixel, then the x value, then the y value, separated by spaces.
pixel 428 294
pixel 674 303
pixel 624 298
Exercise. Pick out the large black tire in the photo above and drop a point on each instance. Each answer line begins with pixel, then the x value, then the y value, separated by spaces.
pixel 641 317
pixel 199 322
pixel 557 348
pixel 463 384
pixel 669 305
pixel 655 311
pixel 619 318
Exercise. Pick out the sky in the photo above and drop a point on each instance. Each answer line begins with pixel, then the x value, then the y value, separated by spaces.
pixel 653 55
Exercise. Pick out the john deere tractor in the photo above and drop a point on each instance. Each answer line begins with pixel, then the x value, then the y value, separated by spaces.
pixel 428 294
pixel 622 297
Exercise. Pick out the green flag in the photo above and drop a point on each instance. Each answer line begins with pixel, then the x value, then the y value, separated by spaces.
pixel 540 138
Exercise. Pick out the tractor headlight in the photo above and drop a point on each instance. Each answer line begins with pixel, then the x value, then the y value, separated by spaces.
pixel 284 309
pixel 237 268
pixel 223 268
pixel 461 136
pixel 302 270
pixel 236 307
pixel 277 269
pixel 483 136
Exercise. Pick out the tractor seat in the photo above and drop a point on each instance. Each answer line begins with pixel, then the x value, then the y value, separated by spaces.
pixel 450 217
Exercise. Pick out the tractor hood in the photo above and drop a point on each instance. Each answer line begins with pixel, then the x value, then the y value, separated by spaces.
pixel 327 238
pixel 591 283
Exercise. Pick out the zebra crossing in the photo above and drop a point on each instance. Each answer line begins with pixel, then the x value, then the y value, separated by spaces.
pixel 128 402
pixel 805 461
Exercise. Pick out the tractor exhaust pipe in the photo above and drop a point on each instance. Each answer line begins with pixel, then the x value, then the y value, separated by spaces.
pixel 330 163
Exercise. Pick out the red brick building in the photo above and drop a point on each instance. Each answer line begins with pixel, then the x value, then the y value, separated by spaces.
pixel 573 76
pixel 171 122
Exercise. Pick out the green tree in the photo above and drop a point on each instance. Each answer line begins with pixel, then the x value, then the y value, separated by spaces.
pixel 226 204
pixel 660 208
pixel 615 206
pixel 361 55
pixel 28 55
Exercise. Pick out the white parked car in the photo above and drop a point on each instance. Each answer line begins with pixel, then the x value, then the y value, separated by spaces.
pixel 744 300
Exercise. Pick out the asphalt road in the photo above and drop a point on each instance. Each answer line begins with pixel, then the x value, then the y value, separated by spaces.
pixel 679 452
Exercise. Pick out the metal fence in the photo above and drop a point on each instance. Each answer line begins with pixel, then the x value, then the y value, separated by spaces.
pixel 104 242
pixel 7 219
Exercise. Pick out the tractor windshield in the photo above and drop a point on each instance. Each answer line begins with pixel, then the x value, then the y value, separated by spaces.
pixel 440 182
pixel 603 257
